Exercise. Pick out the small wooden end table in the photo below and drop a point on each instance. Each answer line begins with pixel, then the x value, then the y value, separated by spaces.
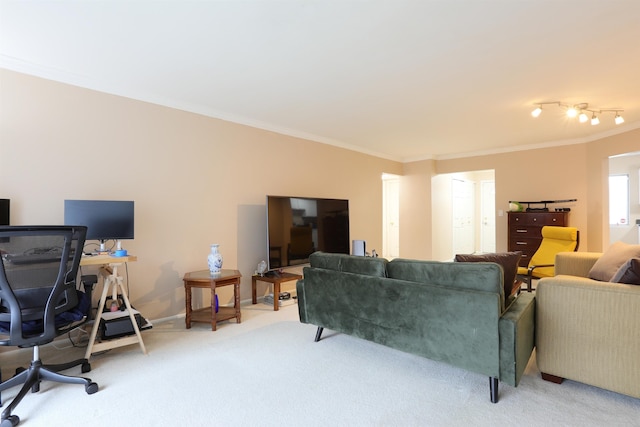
pixel 204 279
pixel 275 278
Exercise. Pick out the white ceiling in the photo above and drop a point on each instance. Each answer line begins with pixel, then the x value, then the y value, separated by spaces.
pixel 403 80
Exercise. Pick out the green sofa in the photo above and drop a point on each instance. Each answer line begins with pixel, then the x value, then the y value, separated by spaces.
pixel 453 312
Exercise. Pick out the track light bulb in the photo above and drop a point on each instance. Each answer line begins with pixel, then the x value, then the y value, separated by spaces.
pixel 595 120
pixel 583 117
pixel 572 112
pixel 618 119
pixel 536 112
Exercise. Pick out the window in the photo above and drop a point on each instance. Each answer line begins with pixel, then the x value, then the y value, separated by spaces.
pixel 619 199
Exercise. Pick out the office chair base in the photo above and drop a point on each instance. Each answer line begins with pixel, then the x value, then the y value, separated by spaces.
pixel 85 366
pixel 11 421
pixel 30 379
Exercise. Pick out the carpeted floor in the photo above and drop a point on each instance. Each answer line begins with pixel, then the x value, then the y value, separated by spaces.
pixel 268 371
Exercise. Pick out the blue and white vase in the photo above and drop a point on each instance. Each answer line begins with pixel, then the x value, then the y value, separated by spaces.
pixel 214 259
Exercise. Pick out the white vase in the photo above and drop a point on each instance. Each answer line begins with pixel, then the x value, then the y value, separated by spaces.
pixel 214 259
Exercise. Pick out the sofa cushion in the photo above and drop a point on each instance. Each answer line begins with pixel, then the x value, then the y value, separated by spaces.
pixel 507 260
pixel 349 264
pixel 629 272
pixel 612 259
pixel 485 277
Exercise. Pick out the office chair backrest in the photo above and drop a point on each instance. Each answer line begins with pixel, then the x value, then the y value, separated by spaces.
pixel 554 240
pixel 37 280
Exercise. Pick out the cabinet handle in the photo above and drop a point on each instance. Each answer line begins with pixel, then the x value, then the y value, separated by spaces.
pixel 521 231
pixel 521 243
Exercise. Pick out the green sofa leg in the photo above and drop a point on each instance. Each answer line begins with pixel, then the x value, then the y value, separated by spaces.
pixel 318 333
pixel 493 386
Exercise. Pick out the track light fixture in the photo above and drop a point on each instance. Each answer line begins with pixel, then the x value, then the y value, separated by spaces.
pixel 580 111
pixel 583 118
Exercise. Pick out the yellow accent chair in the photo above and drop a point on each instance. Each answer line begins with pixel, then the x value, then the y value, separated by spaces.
pixel 542 263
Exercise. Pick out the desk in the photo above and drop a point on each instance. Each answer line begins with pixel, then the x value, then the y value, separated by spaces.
pixel 204 279
pixel 275 278
pixel 112 281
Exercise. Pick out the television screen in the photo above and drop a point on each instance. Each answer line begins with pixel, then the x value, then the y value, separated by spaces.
pixel 299 226
pixel 4 212
pixel 105 219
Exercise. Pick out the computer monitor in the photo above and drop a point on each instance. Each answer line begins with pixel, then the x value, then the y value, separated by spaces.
pixel 105 219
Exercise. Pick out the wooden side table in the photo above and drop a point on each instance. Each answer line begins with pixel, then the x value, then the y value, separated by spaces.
pixel 204 279
pixel 275 278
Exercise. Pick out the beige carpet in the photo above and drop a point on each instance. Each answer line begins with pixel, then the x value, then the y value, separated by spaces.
pixel 267 371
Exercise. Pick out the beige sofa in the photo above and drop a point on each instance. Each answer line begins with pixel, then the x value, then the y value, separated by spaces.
pixel 587 330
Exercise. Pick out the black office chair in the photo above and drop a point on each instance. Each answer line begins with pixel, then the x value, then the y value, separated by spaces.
pixel 37 297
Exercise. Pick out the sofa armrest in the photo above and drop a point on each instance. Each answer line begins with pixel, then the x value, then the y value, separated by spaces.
pixel 587 331
pixel 516 338
pixel 302 312
pixel 575 263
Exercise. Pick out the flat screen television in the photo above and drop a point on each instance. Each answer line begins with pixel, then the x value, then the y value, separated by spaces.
pixel 105 219
pixel 299 226
pixel 5 211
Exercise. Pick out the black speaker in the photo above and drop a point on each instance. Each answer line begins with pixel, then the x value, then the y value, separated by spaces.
pixel 4 212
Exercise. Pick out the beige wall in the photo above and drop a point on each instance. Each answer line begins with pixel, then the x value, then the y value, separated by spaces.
pixel 415 210
pixel 195 180
pixel 198 180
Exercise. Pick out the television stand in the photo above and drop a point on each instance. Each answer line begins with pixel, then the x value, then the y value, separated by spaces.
pixel 274 278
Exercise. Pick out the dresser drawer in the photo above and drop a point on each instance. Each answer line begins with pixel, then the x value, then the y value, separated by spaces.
pixel 519 243
pixel 541 219
pixel 538 219
pixel 526 258
pixel 523 231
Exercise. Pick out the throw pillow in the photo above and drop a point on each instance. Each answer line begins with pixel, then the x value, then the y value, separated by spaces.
pixel 629 273
pixel 612 259
pixel 509 262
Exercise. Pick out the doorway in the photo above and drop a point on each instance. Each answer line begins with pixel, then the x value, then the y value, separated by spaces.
pixel 488 216
pixel 624 198
pixel 390 216
pixel 463 219
pixel 463 213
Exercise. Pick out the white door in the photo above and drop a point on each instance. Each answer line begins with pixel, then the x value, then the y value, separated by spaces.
pixel 390 216
pixel 463 208
pixel 488 215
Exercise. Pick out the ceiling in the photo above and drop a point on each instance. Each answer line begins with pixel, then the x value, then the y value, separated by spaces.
pixel 403 80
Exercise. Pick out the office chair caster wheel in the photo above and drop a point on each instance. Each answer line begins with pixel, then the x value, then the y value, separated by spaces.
pixel 86 367
pixel 90 388
pixel 10 421
pixel 35 388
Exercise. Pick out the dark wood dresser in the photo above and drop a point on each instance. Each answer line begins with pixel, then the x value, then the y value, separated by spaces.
pixel 525 230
